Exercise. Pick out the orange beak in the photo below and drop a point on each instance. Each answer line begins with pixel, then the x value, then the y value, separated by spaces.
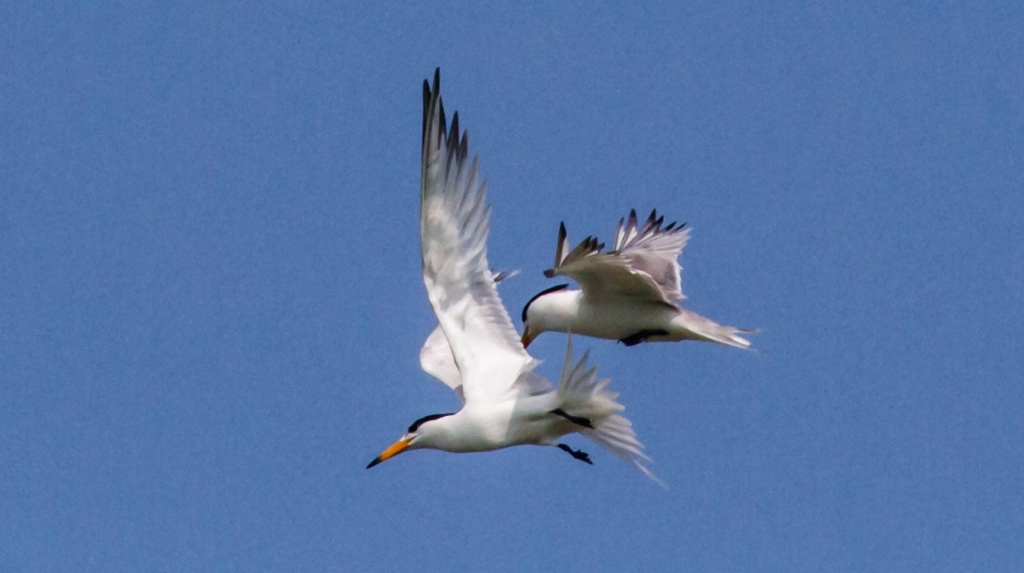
pixel 527 336
pixel 392 451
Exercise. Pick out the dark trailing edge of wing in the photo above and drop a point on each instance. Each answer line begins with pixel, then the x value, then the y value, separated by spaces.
pixel 540 294
pixel 416 425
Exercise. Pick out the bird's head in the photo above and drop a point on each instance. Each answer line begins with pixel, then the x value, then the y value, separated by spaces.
pixel 421 434
pixel 535 314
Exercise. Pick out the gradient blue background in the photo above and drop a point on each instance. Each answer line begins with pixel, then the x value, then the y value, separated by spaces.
pixel 211 304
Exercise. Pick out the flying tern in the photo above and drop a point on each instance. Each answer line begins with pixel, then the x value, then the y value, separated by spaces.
pixel 475 350
pixel 631 294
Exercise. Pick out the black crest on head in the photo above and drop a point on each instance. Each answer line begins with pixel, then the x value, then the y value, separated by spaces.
pixel 416 425
pixel 540 294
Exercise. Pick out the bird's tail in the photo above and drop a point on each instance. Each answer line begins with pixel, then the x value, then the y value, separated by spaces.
pixel 583 395
pixel 696 327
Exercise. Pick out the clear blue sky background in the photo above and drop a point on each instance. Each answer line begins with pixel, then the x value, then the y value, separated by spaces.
pixel 211 304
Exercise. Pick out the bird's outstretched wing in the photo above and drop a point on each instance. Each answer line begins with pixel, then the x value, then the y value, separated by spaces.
pixel 653 250
pixel 436 355
pixel 641 265
pixel 454 222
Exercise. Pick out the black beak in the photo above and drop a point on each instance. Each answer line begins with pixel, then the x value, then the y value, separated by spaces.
pixel 392 451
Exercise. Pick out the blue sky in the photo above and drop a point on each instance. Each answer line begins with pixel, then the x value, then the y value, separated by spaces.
pixel 211 301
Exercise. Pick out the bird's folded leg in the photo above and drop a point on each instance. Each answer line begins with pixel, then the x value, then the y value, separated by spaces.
pixel 578 454
pixel 642 336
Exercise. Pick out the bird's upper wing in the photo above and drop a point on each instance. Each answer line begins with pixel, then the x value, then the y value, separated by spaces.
pixel 453 236
pixel 653 250
pixel 641 265
pixel 436 355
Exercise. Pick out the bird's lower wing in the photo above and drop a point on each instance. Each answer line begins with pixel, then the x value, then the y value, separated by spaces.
pixel 436 355
pixel 436 359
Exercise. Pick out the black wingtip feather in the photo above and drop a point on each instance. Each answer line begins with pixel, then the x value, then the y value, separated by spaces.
pixel 464 146
pixel 428 97
pixel 453 133
pixel 560 247
pixel 426 103
pixel 443 131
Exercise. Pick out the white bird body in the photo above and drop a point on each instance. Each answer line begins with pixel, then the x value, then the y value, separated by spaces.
pixel 569 310
pixel 472 429
pixel 487 427
pixel 631 294
pixel 475 350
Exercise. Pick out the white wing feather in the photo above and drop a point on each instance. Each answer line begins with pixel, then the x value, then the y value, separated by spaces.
pixel 654 250
pixel 436 359
pixel 436 355
pixel 453 235
pixel 642 264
